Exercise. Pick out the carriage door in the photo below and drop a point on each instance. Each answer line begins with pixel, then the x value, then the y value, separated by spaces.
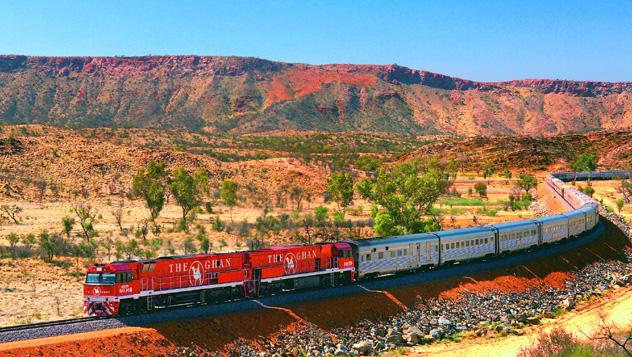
pixel 418 255
pixel 428 253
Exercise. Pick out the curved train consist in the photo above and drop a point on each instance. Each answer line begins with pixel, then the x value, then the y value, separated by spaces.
pixel 137 286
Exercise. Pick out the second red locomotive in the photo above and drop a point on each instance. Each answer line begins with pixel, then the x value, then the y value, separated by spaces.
pixel 136 286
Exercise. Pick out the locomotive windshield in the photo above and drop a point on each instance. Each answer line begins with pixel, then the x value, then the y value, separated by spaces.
pixel 101 279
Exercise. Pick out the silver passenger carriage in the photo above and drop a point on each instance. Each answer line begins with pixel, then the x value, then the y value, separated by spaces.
pixel 576 222
pixel 553 228
pixel 517 235
pixel 467 243
pixel 397 253
pixel 590 213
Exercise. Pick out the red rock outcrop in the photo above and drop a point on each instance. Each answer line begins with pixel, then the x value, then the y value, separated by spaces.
pixel 240 95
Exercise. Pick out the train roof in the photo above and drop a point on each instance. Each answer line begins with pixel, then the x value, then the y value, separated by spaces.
pixel 338 245
pixel 516 224
pixel 547 219
pixel 464 231
pixel 116 267
pixel 573 213
pixel 391 240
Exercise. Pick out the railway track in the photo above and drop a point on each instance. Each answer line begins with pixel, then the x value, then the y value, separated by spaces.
pixel 89 324
pixel 86 324
pixel 50 324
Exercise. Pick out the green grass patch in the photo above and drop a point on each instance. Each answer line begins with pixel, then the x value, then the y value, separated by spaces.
pixel 462 201
pixel 487 211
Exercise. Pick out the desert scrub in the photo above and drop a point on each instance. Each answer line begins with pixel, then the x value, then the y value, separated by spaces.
pixel 561 343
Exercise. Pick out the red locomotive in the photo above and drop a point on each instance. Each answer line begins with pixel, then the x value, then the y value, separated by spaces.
pixel 136 286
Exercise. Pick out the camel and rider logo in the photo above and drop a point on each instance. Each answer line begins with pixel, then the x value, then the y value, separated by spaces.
pixel 196 276
pixel 289 263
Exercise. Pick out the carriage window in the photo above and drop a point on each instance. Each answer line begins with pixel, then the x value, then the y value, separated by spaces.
pixel 451 245
pixel 380 255
pixel 392 254
pixel 368 257
pixel 485 240
pixel 405 251
pixel 399 252
pixel 436 248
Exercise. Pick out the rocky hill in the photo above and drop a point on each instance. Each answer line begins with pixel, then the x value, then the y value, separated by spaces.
pixel 244 95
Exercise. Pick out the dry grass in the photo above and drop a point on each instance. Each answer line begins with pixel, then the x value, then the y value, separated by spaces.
pixel 32 291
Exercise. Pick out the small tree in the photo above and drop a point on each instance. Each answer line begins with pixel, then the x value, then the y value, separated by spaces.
pixel 625 187
pixel 264 226
pixel 188 245
pixel 119 250
pixel 13 241
pixel 585 162
pixel 481 188
pixel 188 190
pixel 86 216
pixel 150 184
pixel 11 212
pixel 205 242
pixel 620 204
pixel 321 215
pixel 296 195
pixel 488 171
pixel 228 194
pixel 108 245
pixel 67 224
pixel 117 212
pixel 507 175
pixel 132 249
pixel 340 189
pixel 406 192
pixel 29 240
pixel 50 245
pixel 142 229
pixel 526 182
pixel 41 189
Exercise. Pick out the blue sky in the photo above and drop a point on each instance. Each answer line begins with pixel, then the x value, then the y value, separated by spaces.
pixel 478 40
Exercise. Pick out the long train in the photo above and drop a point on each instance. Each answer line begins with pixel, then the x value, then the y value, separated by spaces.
pixel 137 286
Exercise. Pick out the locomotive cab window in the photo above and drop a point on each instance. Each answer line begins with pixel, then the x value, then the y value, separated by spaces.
pixel 344 254
pixel 101 279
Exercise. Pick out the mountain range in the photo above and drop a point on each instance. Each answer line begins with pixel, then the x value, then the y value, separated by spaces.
pixel 247 95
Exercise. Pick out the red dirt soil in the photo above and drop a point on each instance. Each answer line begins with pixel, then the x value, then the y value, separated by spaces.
pixel 220 333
